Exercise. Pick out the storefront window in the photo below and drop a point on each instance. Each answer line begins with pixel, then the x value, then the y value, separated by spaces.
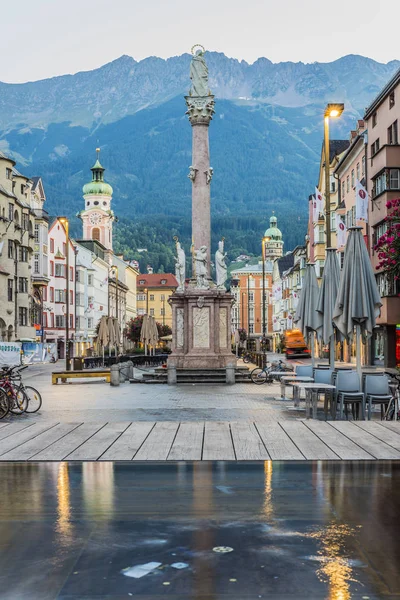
pixel 379 341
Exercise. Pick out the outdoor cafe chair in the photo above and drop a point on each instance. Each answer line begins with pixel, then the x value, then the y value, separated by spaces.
pixel 304 371
pixel 377 391
pixel 336 371
pixel 324 376
pixel 348 391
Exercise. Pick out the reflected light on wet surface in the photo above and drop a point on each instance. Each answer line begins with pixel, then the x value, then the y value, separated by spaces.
pixel 63 501
pixel 335 568
pixel 268 508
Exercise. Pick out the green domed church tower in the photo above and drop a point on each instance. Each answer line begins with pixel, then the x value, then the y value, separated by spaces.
pixel 273 243
pixel 97 216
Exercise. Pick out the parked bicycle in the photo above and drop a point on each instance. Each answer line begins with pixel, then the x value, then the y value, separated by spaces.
pixel 15 396
pixel 393 410
pixel 246 357
pixel 261 375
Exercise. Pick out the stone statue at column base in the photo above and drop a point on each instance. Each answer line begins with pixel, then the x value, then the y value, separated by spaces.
pixel 200 260
pixel 180 266
pixel 220 266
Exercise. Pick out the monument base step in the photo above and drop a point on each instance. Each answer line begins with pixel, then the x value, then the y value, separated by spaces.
pixel 191 376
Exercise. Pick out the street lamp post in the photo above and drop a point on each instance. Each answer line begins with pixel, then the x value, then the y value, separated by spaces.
pixel 116 301
pixel 248 304
pixel 331 111
pixel 243 296
pixel 146 291
pixel 264 328
pixel 65 223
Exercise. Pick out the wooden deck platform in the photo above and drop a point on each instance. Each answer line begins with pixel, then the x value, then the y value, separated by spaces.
pixel 167 440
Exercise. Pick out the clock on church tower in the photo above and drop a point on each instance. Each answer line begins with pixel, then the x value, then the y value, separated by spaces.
pixel 97 216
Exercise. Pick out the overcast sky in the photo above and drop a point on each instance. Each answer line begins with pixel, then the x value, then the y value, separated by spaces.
pixel 44 38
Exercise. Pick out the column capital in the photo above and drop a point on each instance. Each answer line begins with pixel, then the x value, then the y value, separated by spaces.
pixel 200 109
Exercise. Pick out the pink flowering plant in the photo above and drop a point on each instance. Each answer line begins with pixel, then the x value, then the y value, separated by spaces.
pixel 388 245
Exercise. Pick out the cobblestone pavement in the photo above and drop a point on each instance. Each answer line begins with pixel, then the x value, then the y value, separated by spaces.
pixel 142 402
pixel 98 401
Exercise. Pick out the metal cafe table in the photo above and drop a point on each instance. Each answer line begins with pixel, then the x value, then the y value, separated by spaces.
pixel 294 380
pixel 311 390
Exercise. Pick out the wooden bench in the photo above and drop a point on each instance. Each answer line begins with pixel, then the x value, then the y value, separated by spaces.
pixel 64 375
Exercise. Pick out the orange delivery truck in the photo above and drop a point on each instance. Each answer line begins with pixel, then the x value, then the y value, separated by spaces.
pixel 295 344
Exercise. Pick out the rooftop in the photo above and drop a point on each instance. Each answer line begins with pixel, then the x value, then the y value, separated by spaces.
pixel 248 269
pixel 285 263
pixel 155 281
pixel 336 147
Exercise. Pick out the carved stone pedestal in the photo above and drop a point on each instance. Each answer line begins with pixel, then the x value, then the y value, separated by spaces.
pixel 201 326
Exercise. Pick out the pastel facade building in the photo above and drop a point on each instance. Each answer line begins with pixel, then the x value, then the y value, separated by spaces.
pixel 316 238
pixel 153 293
pixel 350 169
pixel 247 288
pixel 55 313
pixel 382 119
pixel 17 245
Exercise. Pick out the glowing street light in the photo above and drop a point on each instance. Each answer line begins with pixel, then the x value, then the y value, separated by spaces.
pixel 332 111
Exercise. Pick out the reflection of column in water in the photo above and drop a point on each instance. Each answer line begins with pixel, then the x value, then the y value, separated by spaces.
pixel 98 488
pixel 268 507
pixel 63 500
pixel 181 474
pixel 203 537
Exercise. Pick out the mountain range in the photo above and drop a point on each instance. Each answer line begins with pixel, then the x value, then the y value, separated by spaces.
pixel 265 142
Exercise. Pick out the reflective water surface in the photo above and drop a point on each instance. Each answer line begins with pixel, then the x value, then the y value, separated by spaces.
pixel 200 531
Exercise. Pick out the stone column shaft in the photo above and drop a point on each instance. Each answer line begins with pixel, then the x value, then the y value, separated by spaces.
pixel 201 217
pixel 200 112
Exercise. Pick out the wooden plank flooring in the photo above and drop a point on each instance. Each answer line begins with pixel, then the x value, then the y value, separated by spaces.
pixel 218 443
pixel 277 442
pixel 211 440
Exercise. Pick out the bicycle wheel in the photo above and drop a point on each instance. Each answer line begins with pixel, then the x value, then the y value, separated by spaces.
pixel 18 402
pixel 258 376
pixel 4 404
pixel 34 399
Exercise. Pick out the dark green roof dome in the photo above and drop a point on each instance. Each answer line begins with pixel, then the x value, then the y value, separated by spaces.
pixel 97 186
pixel 273 232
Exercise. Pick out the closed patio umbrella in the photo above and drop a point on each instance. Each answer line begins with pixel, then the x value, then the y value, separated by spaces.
pixel 103 334
pixel 117 332
pixel 111 331
pixel 153 340
pixel 358 302
pixel 326 302
pixel 306 314
pixel 145 332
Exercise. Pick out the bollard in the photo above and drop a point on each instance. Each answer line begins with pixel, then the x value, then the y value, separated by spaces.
pixel 130 369
pixel 172 375
pixel 122 372
pixel 114 375
pixel 230 374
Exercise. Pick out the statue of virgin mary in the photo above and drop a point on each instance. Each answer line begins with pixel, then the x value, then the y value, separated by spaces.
pixel 199 75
